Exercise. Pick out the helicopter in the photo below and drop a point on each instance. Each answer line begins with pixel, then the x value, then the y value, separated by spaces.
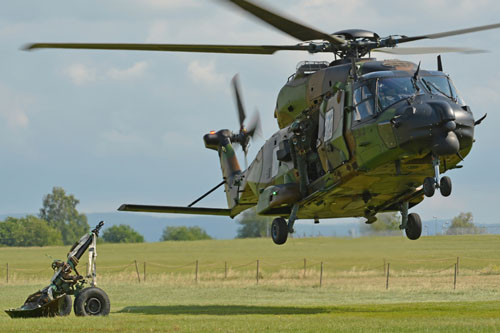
pixel 357 136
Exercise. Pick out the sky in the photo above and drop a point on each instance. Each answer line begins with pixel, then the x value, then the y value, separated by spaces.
pixel 127 127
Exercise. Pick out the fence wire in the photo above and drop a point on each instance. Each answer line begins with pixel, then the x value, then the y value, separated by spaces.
pixel 398 267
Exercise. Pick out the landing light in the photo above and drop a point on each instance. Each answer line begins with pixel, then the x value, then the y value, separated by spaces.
pixel 212 132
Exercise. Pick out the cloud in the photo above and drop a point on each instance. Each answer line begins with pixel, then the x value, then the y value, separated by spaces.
pixel 136 71
pixel 13 108
pixel 80 74
pixel 206 74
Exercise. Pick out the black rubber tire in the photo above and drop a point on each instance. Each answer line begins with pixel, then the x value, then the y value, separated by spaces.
pixel 445 186
pixel 92 301
pixel 279 231
pixel 429 187
pixel 66 305
pixel 414 226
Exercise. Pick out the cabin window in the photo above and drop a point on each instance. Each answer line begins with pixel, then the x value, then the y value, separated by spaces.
pixel 364 105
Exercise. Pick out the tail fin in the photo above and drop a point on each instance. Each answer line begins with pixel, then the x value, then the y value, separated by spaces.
pixel 231 171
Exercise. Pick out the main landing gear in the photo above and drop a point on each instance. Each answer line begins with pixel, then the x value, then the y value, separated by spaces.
pixel 430 183
pixel 280 228
pixel 411 223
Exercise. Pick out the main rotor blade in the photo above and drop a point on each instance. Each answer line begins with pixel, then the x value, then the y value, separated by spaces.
pixel 239 102
pixel 427 50
pixel 449 33
pixel 241 49
pixel 288 26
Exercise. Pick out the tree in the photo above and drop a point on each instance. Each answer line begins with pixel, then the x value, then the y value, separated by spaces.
pixel 122 234
pixel 184 234
pixel 28 231
pixel 463 224
pixel 59 210
pixel 253 225
pixel 386 223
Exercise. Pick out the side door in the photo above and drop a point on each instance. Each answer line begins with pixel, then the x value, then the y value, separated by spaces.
pixel 334 142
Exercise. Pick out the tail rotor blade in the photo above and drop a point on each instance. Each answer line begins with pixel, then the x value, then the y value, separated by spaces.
pixel 255 126
pixel 239 102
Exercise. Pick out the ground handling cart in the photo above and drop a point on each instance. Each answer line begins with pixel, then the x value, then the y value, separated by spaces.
pixel 55 299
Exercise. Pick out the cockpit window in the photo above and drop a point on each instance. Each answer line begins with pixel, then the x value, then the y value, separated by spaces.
pixel 394 89
pixel 442 85
pixel 438 85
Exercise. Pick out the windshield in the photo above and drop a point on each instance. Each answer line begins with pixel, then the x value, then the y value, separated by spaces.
pixel 441 85
pixel 392 90
pixel 438 85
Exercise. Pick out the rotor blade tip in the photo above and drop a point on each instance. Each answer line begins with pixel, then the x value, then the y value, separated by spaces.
pixel 28 47
pixel 123 207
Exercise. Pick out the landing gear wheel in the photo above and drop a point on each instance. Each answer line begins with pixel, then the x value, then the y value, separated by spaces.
pixel 279 231
pixel 414 226
pixel 65 307
pixel 92 301
pixel 429 187
pixel 445 186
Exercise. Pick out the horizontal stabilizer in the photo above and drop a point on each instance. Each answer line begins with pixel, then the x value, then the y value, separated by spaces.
pixel 175 210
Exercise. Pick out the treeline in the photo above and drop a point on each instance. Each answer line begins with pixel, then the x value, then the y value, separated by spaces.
pixel 388 223
pixel 57 223
pixel 60 223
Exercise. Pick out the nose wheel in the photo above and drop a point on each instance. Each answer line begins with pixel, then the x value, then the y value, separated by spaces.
pixel 431 183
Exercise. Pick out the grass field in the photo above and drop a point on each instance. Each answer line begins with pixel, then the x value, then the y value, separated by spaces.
pixel 352 296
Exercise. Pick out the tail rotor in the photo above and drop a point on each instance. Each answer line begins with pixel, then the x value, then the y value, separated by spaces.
pixel 246 133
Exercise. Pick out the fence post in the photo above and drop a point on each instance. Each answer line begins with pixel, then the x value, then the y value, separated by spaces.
pixel 7 272
pixel 196 272
pixel 321 275
pixel 305 267
pixel 387 280
pixel 137 271
pixel 257 276
pixel 144 279
pixel 458 265
pixel 225 270
pixel 455 277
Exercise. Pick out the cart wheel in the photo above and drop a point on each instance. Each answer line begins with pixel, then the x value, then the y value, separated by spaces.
pixel 65 306
pixel 92 301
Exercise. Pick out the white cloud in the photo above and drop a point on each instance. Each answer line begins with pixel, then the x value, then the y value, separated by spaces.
pixel 13 108
pixel 80 74
pixel 206 74
pixel 136 71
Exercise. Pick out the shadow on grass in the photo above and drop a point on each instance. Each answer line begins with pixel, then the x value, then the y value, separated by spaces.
pixel 223 310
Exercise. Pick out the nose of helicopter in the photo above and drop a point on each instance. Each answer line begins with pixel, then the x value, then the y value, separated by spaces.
pixel 434 125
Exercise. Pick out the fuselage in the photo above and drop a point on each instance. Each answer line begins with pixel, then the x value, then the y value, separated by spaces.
pixel 353 142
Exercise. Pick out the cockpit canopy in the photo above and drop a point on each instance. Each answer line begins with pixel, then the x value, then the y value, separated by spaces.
pixel 376 92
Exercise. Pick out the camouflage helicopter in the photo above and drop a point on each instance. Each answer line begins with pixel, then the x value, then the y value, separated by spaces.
pixel 357 136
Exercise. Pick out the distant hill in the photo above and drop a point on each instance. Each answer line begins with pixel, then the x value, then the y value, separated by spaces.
pixel 219 227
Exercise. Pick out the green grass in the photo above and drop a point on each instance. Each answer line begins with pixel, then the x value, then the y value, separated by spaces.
pixel 352 298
